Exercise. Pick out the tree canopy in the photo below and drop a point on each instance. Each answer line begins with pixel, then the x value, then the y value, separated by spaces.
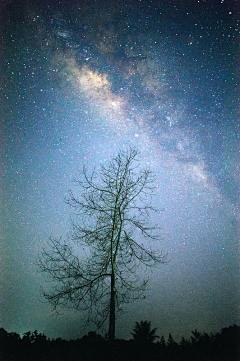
pixel 97 268
pixel 143 333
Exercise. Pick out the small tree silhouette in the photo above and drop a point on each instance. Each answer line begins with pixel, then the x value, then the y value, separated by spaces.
pixel 143 334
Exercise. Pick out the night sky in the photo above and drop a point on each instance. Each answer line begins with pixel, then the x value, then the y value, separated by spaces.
pixel 81 80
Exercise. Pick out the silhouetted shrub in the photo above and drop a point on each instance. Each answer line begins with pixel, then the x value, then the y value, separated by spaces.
pixel 223 346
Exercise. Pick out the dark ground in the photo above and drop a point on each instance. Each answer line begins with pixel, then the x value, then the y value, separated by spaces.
pixel 223 346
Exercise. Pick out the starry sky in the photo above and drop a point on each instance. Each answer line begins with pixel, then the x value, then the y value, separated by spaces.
pixel 81 80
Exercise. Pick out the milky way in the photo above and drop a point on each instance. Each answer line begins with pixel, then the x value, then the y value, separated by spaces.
pixel 82 80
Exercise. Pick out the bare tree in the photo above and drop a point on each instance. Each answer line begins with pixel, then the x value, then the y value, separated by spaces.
pixel 111 225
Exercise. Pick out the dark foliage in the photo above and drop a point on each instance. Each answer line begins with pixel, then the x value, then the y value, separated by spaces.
pixel 143 334
pixel 223 346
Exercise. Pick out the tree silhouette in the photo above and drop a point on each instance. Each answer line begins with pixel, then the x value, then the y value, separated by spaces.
pixel 111 227
pixel 143 334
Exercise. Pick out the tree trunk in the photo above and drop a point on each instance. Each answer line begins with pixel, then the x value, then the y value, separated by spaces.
pixel 112 308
